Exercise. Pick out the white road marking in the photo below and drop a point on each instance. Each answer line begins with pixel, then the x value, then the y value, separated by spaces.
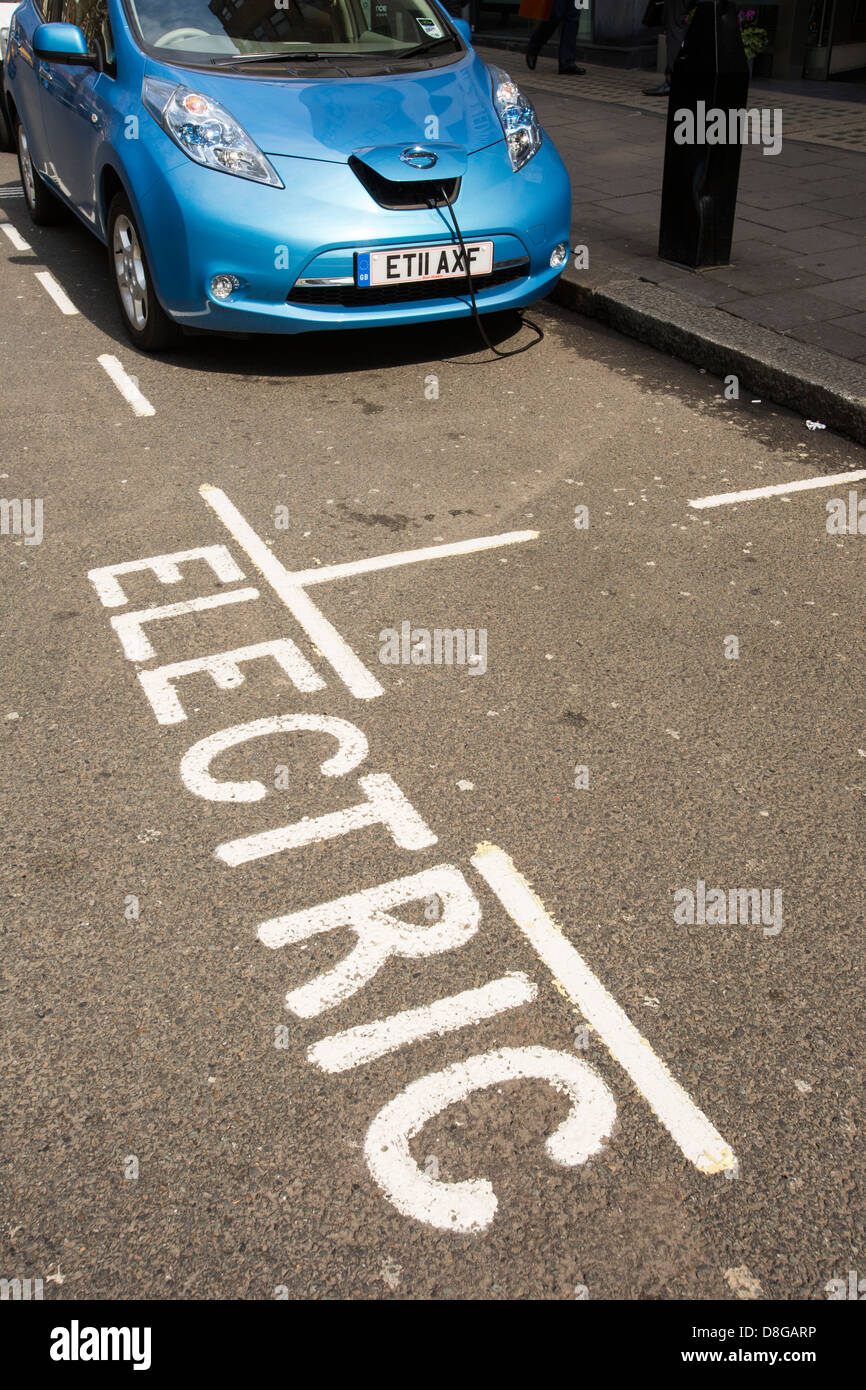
pixel 753 494
pixel 326 573
pixel 195 764
pixel 385 805
pixel 165 567
pixel 355 1046
pixel 126 386
pixel 128 626
pixel 379 932
pixel 688 1126
pixel 58 294
pixel 468 1207
pixel 351 670
pixel 15 237
pixel 224 667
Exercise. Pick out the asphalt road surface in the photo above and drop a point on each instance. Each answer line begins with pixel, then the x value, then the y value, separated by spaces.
pixel 469 879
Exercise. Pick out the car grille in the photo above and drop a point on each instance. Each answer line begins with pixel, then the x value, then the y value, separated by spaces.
pixel 355 297
pixel 405 195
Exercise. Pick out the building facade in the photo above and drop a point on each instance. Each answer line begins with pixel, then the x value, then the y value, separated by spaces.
pixel 816 39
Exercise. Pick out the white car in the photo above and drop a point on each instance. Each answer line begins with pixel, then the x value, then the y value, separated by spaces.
pixel 6 13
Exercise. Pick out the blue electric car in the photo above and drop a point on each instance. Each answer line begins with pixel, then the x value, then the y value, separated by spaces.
pixel 282 166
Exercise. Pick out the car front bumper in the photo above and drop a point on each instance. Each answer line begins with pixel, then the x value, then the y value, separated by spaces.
pixel 197 223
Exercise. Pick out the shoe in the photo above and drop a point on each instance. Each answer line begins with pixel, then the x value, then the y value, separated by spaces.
pixel 572 71
pixel 531 59
pixel 662 90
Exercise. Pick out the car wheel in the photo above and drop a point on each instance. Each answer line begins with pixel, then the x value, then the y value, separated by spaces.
pixel 43 207
pixel 146 322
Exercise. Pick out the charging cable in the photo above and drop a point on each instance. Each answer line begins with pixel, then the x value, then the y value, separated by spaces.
pixel 513 352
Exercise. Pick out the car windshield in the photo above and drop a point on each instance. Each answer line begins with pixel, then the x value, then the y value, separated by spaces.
pixel 213 29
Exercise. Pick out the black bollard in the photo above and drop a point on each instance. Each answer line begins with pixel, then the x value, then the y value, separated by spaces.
pixel 699 191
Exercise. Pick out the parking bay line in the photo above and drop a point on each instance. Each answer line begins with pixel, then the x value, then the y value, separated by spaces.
pixel 687 1125
pixel 15 237
pixel 753 494
pixel 324 636
pixel 128 389
pixel 326 573
pixel 289 585
pixel 57 293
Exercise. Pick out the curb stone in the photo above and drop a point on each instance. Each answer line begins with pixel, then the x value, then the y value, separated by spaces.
pixel 813 383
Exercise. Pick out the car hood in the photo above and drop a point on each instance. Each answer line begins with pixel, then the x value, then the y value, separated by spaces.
pixel 330 118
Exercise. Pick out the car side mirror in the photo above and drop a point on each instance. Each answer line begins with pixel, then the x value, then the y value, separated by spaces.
pixel 464 30
pixel 63 43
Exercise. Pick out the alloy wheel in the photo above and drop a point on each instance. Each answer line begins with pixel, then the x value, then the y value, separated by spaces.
pixel 28 178
pixel 130 272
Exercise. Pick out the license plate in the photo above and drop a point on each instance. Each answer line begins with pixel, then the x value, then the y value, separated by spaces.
pixel 410 263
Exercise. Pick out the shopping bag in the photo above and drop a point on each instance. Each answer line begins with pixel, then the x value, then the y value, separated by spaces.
pixel 535 9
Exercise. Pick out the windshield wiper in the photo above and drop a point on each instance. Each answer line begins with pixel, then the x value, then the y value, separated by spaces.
pixel 425 47
pixel 284 56
pixel 287 56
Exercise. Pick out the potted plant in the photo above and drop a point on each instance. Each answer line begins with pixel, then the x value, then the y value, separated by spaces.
pixel 755 38
pixel 754 35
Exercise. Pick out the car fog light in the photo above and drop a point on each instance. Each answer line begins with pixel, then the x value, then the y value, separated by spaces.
pixel 559 255
pixel 222 286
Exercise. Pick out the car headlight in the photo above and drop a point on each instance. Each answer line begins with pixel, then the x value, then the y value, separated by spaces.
pixel 4 39
pixel 517 116
pixel 206 131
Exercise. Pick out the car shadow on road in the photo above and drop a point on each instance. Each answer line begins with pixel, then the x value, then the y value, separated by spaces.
pixel 80 265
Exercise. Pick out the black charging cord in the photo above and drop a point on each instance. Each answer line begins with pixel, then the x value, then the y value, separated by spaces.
pixel 513 352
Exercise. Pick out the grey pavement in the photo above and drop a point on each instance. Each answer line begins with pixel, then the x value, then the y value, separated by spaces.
pixel 799 253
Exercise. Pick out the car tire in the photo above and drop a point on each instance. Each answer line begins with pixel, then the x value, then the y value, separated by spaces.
pixel 147 324
pixel 42 206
